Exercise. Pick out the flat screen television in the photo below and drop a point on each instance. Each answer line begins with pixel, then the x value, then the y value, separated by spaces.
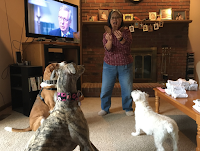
pixel 50 19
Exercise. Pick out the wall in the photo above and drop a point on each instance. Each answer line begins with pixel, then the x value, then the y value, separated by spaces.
pixel 11 30
pixel 194 34
pixel 175 35
pixel 12 33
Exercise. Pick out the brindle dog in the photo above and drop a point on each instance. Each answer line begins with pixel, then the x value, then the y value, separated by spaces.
pixel 66 127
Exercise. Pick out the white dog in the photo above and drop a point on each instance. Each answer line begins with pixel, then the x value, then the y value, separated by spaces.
pixel 160 126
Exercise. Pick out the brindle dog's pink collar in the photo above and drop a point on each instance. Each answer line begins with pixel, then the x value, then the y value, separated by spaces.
pixel 68 96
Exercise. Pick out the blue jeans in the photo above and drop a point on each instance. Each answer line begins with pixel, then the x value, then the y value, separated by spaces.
pixel 125 76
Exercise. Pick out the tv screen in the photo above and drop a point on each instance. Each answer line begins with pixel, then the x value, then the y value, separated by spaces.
pixel 50 19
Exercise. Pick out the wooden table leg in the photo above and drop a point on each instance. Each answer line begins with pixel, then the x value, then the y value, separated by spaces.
pixel 198 138
pixel 157 103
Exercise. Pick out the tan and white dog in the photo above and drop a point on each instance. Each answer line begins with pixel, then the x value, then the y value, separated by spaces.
pixel 44 102
pixel 160 126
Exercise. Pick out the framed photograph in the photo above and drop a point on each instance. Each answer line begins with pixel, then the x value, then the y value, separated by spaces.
pixel 131 28
pixel 127 17
pixel 92 18
pixel 166 14
pixel 136 24
pixel 145 27
pixel 140 25
pixel 179 15
pixel 158 17
pixel 161 23
pixel 103 14
pixel 152 16
pixel 150 28
pixel 156 26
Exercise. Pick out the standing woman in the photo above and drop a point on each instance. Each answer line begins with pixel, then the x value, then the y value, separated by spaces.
pixel 118 62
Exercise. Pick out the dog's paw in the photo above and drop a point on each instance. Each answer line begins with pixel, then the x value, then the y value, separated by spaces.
pixel 135 134
pixel 9 129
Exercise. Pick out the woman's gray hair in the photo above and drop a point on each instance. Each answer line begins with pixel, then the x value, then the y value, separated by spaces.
pixel 115 10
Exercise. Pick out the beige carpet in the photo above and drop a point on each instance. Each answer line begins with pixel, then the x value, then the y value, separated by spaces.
pixel 109 133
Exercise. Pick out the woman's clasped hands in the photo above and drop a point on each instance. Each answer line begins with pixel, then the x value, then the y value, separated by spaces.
pixel 118 34
pixel 108 37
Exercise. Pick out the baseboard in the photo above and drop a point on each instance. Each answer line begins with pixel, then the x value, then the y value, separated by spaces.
pixel 5 106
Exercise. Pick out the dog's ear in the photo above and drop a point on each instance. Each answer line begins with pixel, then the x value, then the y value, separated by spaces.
pixel 48 71
pixel 146 96
pixel 75 69
pixel 71 68
pixel 53 75
pixel 143 96
pixel 80 70
pixel 53 66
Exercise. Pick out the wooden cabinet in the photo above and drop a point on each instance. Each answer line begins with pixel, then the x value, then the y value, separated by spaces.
pixel 22 94
pixel 42 53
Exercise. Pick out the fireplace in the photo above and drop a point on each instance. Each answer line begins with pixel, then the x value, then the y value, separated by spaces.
pixel 144 65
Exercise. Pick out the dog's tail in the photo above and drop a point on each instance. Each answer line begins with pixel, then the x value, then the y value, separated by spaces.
pixel 10 129
pixel 173 131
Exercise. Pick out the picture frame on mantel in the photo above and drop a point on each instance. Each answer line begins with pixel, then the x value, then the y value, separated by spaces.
pixel 152 16
pixel 179 14
pixel 92 18
pixel 127 17
pixel 103 14
pixel 166 14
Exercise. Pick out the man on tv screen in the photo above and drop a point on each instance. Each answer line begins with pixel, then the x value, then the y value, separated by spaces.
pixel 64 19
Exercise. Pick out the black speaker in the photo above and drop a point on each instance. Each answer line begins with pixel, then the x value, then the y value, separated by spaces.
pixel 18 57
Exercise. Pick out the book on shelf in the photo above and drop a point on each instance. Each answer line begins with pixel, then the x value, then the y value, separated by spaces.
pixel 39 81
pixel 34 83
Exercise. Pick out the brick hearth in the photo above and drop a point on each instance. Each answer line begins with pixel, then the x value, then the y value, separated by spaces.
pixel 94 89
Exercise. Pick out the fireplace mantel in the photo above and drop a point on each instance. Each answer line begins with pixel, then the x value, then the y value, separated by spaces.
pixel 132 22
